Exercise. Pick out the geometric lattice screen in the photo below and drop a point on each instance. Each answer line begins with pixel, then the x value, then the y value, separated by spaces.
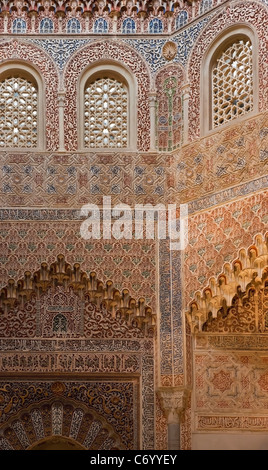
pixel 232 83
pixel 106 114
pixel 18 113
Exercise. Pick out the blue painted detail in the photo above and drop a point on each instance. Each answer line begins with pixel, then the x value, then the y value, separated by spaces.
pixel 60 49
pixel 73 26
pixel 100 26
pixel 129 26
pixel 46 26
pixel 181 19
pixel 19 26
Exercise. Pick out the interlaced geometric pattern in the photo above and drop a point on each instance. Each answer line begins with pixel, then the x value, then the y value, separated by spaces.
pixel 232 85
pixel 18 113
pixel 155 26
pixel 106 114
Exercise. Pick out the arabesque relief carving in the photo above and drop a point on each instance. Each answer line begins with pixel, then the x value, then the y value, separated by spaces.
pixel 237 300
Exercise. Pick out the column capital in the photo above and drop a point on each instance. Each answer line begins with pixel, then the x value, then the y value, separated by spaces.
pixel 61 97
pixel 185 88
pixel 173 402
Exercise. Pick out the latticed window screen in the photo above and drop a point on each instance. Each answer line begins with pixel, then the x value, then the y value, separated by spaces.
pixel 181 19
pixel 18 113
pixel 19 26
pixel 205 5
pixel 232 83
pixel 106 114
pixel 46 26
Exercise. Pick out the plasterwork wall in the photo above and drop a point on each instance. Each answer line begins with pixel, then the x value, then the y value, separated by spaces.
pixel 249 14
pixel 109 363
pixel 56 230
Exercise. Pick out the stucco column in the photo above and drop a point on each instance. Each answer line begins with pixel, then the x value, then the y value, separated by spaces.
pixel 185 95
pixel 193 8
pixel 172 402
pixel 61 101
pixel 152 103
pixel 114 15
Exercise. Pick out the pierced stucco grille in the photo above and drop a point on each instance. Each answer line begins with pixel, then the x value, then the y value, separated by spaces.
pixel 233 83
pixel 106 114
pixel 18 113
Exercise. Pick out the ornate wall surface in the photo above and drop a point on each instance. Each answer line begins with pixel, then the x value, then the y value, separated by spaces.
pixel 107 343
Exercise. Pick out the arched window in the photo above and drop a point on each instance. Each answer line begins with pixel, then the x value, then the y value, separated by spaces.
pixel 21 119
pixel 232 82
pixel 129 26
pixel 155 26
pixel 229 78
pixel 19 26
pixel 73 26
pixel 205 5
pixel 181 19
pixel 106 113
pixel 108 108
pixel 100 26
pixel 46 26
